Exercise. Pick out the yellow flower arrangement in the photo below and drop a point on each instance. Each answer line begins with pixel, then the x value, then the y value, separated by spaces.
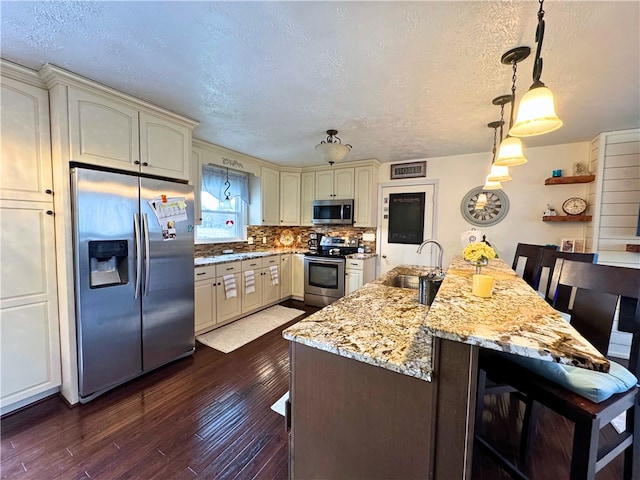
pixel 478 251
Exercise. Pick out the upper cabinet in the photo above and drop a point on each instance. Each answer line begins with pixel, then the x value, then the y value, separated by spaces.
pixel 307 196
pixel 366 196
pixel 270 192
pixel 289 198
pixel 26 147
pixel 112 129
pixel 334 184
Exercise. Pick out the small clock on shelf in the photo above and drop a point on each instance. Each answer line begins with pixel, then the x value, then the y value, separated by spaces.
pixel 574 206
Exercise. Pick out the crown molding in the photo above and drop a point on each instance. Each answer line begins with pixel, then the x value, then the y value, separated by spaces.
pixel 22 74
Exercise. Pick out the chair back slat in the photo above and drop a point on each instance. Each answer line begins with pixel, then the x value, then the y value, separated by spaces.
pixel 531 253
pixel 548 260
pixel 597 291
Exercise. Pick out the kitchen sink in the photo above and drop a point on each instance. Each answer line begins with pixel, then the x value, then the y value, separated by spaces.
pixel 403 281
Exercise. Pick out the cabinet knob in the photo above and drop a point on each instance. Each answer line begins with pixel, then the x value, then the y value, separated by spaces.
pixel 49 212
pixel 145 164
pixel 384 256
pixel 48 191
pixel 137 162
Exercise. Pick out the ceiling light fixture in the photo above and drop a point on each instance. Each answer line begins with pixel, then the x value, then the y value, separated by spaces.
pixel 498 173
pixel 491 183
pixel 332 150
pixel 537 113
pixel 510 153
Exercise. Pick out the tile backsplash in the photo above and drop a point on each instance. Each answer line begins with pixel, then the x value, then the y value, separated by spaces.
pixel 272 235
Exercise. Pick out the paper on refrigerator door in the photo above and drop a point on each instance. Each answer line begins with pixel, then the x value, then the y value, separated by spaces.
pixel 168 211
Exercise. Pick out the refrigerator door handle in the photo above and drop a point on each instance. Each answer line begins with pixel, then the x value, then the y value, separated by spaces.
pixel 147 261
pixel 136 230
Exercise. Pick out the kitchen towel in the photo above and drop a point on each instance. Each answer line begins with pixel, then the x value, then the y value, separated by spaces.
pixel 230 290
pixel 274 275
pixel 249 281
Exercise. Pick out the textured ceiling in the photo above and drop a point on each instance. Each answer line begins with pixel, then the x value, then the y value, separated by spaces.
pixel 399 80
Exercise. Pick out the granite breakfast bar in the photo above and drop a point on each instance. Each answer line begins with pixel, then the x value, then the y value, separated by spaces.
pixel 384 387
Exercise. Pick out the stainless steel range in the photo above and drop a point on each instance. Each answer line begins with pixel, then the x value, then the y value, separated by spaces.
pixel 324 271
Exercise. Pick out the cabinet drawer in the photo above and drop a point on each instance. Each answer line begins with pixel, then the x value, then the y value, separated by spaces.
pixel 226 268
pixel 272 260
pixel 251 264
pixel 353 264
pixel 204 273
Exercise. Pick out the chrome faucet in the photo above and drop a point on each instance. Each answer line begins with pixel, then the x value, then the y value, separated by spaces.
pixel 440 251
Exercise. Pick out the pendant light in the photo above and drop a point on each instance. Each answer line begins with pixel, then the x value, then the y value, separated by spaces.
pixel 332 149
pixel 498 173
pixel 537 113
pixel 510 153
pixel 226 203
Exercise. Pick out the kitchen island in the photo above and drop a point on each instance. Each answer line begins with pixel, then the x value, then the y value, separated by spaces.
pixel 384 387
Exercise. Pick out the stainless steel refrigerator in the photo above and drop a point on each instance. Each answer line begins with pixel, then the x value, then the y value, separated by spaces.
pixel 133 263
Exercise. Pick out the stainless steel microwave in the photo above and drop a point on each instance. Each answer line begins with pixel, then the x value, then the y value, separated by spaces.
pixel 333 212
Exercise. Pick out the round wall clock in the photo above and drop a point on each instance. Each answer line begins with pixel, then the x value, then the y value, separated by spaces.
pixel 574 206
pixel 493 212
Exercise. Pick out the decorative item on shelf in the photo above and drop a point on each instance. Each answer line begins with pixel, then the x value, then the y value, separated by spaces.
pixel 478 253
pixel 550 211
pixel 332 149
pixel 556 173
pixel 536 113
pixel 574 206
pixel 510 153
pixel 580 169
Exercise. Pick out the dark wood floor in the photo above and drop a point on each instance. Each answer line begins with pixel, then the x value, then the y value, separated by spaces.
pixel 208 416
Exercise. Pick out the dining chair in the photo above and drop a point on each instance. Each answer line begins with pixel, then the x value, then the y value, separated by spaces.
pixel 531 255
pixel 546 266
pixel 590 400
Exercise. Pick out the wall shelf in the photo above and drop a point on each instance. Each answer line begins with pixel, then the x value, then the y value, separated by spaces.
pixel 633 248
pixel 567 218
pixel 569 180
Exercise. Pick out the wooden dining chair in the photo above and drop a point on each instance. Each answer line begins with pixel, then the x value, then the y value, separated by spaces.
pixel 591 296
pixel 546 266
pixel 531 254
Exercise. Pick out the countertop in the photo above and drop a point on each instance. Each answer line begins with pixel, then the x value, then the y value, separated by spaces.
pixel 233 257
pixel 387 326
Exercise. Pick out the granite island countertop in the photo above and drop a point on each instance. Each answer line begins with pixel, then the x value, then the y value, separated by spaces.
pixel 387 326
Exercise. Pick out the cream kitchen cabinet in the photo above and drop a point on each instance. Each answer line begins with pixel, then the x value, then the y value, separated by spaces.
pixel 252 301
pixel 205 298
pixel 366 196
pixel 29 323
pixel 270 289
pixel 228 307
pixel 334 184
pixel 307 196
pixel 265 200
pixel 358 272
pixel 297 276
pixel 26 145
pixel 108 128
pixel 289 198
pixel 285 275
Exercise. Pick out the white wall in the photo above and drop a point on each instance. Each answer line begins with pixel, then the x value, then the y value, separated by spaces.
pixel 528 197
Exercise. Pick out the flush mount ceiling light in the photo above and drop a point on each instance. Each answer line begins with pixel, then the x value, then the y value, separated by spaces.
pixel 537 113
pixel 332 149
pixel 498 173
pixel 510 153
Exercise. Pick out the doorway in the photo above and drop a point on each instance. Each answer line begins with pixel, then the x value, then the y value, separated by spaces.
pixel 406 217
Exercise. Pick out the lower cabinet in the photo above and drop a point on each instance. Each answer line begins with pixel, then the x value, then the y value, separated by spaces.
pixel 205 298
pixel 251 297
pixel 227 306
pixel 285 275
pixel 358 272
pixel 297 276
pixel 271 287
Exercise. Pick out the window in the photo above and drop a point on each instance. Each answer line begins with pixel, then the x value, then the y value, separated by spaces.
pixel 223 221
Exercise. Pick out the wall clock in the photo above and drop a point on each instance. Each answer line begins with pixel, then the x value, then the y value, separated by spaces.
pixel 574 206
pixel 494 211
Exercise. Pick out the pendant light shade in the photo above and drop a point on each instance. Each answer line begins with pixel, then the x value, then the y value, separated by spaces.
pixel 499 173
pixel 536 114
pixel 510 153
pixel 489 185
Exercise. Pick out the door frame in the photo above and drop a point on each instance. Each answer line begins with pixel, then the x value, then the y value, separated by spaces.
pixel 404 183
